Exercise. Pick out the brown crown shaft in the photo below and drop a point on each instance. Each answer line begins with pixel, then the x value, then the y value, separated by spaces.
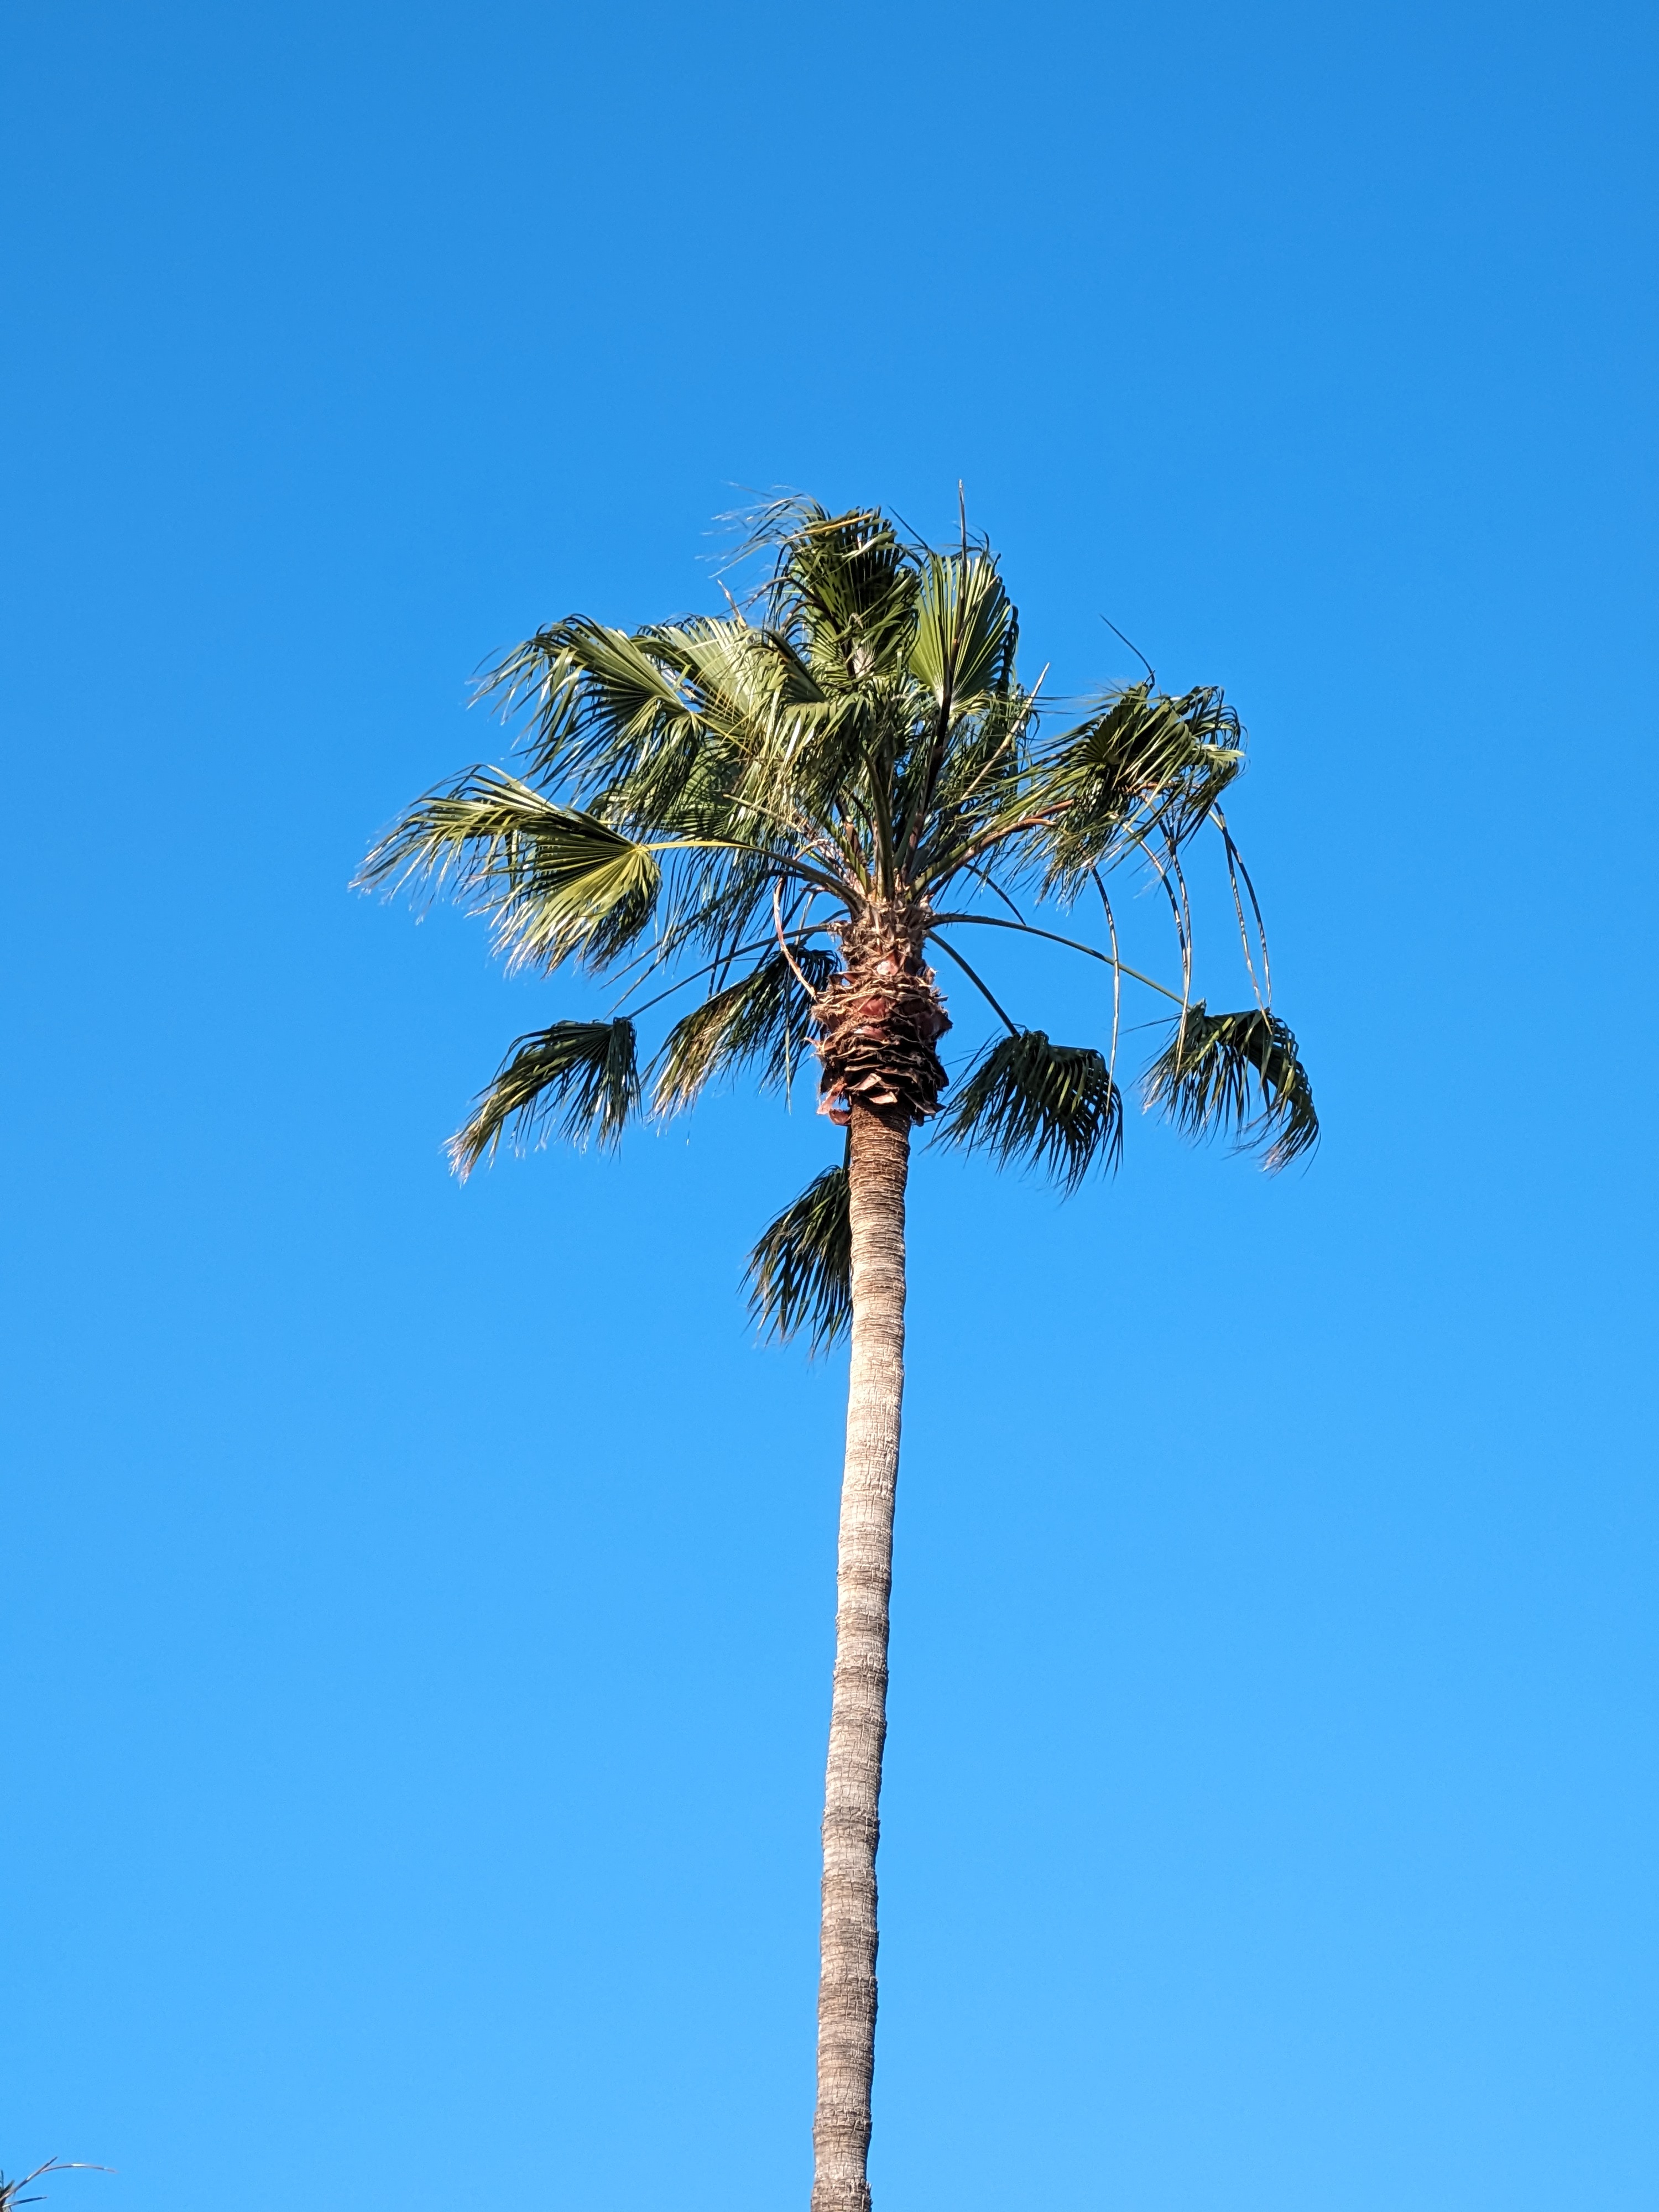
pixel 879 1020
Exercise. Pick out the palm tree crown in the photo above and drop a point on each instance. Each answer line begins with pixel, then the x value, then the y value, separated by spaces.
pixel 790 805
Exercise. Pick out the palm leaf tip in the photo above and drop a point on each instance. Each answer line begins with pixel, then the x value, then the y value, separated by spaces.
pixel 1056 1105
pixel 1239 1073
pixel 579 1078
pixel 801 1273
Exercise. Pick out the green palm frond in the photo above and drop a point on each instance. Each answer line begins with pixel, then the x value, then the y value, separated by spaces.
pixel 600 700
pixel 843 583
pixel 800 1274
pixel 749 671
pixel 555 882
pixel 963 615
pixel 1054 1104
pixel 1238 1072
pixel 465 831
pixel 581 1076
pixel 766 1016
pixel 1147 764
pixel 579 900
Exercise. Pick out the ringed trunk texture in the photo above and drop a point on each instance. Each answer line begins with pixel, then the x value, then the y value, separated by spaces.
pixel 878 1161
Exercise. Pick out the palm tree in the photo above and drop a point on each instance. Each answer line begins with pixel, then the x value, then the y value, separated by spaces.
pixel 792 806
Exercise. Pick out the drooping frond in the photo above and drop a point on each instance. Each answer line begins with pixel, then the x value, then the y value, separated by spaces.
pixel 1054 1104
pixel 1237 1072
pixel 582 1077
pixel 800 1274
pixel 765 1017
pixel 554 882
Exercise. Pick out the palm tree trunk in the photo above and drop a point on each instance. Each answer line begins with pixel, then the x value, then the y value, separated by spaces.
pixel 878 1160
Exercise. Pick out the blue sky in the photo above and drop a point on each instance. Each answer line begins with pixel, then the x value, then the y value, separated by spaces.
pixel 419 1598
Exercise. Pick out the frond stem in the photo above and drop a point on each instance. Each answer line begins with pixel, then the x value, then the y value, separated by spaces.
pixel 978 981
pixel 1235 862
pixel 995 921
pixel 786 867
pixel 680 982
pixel 1117 971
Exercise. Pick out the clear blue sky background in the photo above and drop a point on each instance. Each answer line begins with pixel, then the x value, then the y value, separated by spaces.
pixel 418 1599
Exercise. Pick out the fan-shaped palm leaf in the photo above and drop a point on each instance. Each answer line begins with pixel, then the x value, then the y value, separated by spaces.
pixel 843 583
pixel 1238 1072
pixel 585 1073
pixel 555 882
pixel 1054 1104
pixel 963 615
pixel 800 1274
pixel 599 698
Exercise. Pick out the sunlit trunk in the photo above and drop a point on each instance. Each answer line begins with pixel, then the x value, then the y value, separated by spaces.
pixel 878 1160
